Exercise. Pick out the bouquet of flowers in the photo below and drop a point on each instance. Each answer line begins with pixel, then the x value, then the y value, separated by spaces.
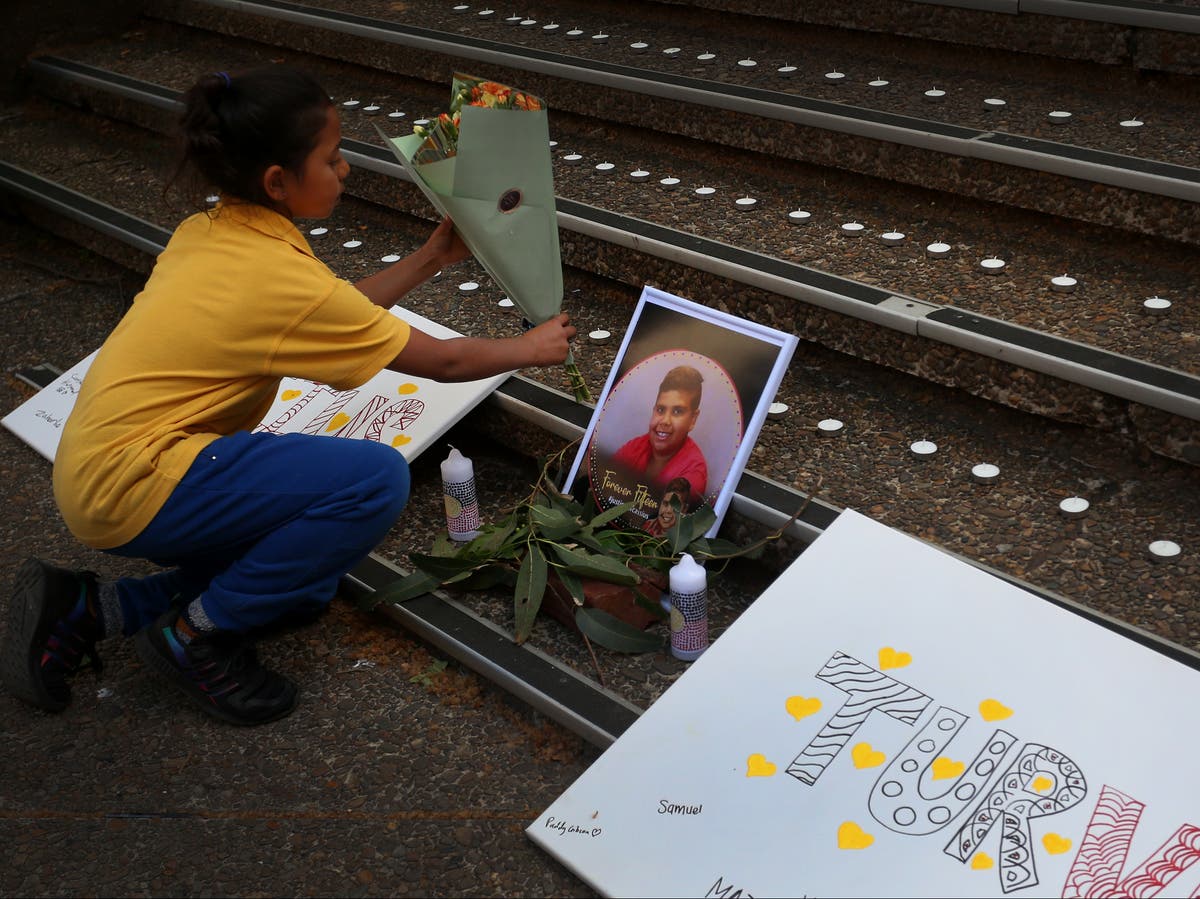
pixel 485 162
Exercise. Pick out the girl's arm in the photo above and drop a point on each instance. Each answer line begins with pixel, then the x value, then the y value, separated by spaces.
pixel 444 247
pixel 471 358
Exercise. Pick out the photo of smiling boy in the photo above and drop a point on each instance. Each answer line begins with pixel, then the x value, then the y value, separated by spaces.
pixel 666 451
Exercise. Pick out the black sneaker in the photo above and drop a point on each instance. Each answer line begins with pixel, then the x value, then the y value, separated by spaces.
pixel 50 633
pixel 218 671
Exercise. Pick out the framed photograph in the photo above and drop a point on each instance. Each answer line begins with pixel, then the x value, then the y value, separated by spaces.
pixel 683 405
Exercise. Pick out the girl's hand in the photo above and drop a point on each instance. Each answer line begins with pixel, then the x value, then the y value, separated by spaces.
pixel 444 246
pixel 548 342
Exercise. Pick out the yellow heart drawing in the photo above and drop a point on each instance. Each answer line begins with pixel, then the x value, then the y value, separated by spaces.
pixel 407 387
pixel 1041 784
pixel 994 710
pixel 337 421
pixel 982 861
pixel 851 836
pixel 889 658
pixel 1055 844
pixel 401 439
pixel 758 766
pixel 864 756
pixel 800 707
pixel 944 767
pixel 289 395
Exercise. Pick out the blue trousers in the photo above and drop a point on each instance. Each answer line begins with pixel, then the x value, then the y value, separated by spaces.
pixel 263 524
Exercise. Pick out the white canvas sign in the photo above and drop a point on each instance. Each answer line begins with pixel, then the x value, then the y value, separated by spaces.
pixel 887 720
pixel 405 412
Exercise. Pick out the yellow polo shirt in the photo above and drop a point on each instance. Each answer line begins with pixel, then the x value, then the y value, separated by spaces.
pixel 236 302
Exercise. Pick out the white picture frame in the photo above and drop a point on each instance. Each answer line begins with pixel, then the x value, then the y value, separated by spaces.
pixel 740 365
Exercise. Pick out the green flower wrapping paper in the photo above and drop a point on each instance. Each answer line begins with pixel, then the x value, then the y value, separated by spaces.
pixel 486 164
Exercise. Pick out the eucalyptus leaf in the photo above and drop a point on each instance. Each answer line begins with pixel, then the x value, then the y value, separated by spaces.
pixel 484 578
pixel 408 587
pixel 604 568
pixel 610 514
pixel 529 591
pixel 553 523
pixel 492 539
pixel 443 567
pixel 566 504
pixel 613 633
pixel 573 584
pixel 444 546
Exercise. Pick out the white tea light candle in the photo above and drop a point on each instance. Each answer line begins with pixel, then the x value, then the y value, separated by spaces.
pixel 600 38
pixel 1164 550
pixel 705 191
pixel 923 449
pixel 318 232
pixel 672 52
pixel 1132 125
pixel 1156 305
pixel 390 258
pixel 745 203
pixel 892 238
pixel 853 229
pixel 486 13
pixel 1058 117
pixel 935 95
pixel 993 104
pixel 506 303
pixel 1074 507
pixel 829 427
pixel 605 168
pixel 351 104
pixel 786 71
pixel 747 64
pixel 528 23
pixel 599 336
pixel 985 473
pixel 799 217
pixel 468 287
pixel 639 46
pixel 777 410
pixel 1063 283
pixel 878 84
pixel 669 183
pixel 937 250
pixel 551 28
pixel 706 59
pixel 372 109
pixel 352 244
pixel 395 115
pixel 572 158
pixel 574 34
pixel 639 175
pixel 835 77
pixel 992 265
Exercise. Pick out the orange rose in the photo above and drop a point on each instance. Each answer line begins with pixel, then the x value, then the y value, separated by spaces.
pixel 524 101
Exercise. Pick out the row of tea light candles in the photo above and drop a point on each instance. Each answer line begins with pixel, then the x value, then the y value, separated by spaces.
pixel 466 288
pixel 1056 116
pixel 987 473
pixel 933 95
pixel 937 250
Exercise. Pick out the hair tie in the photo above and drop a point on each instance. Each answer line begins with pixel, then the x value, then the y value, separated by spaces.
pixel 225 78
